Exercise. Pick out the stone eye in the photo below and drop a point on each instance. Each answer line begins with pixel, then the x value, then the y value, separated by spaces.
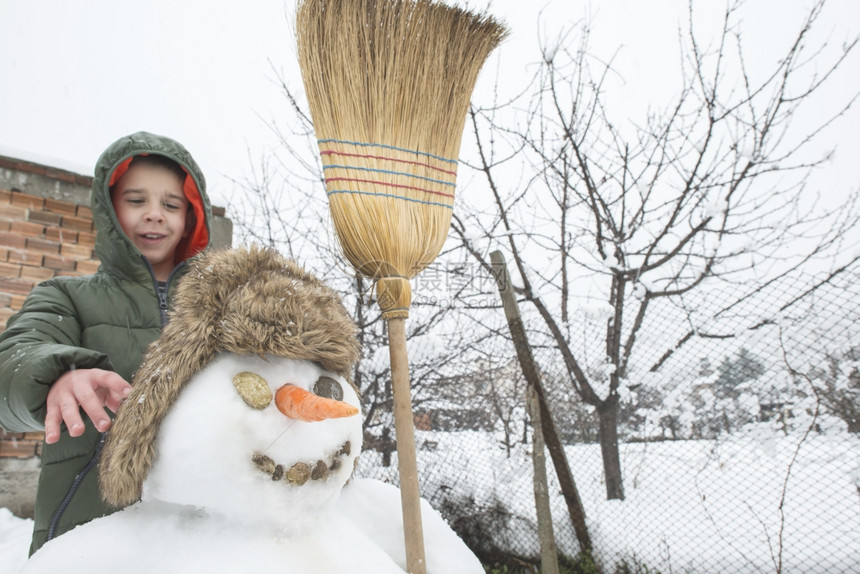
pixel 328 388
pixel 253 389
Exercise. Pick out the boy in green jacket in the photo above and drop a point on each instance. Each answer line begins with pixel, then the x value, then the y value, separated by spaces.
pixel 66 357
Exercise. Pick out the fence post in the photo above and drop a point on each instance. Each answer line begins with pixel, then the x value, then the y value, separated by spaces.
pixel 529 369
pixel 548 551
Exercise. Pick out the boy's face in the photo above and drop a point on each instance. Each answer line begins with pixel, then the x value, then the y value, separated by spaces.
pixel 152 210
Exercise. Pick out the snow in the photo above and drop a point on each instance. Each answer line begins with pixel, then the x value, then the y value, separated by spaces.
pixel 684 501
pixel 691 506
pixel 14 541
pixel 716 208
pixel 718 510
pixel 191 540
pixel 54 161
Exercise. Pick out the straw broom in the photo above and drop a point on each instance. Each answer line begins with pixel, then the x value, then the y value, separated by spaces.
pixel 388 84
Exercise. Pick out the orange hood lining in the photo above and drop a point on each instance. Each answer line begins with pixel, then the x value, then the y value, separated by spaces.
pixel 198 239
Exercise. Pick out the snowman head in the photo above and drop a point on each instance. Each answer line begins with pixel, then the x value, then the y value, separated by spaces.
pixel 245 306
pixel 259 439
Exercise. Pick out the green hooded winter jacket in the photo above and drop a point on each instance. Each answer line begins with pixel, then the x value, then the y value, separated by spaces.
pixel 104 321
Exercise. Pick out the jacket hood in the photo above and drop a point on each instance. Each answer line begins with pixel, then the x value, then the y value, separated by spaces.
pixel 113 247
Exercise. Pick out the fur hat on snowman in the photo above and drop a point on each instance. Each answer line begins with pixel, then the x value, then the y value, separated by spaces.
pixel 248 302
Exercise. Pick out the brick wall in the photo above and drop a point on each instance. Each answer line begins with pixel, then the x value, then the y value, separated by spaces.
pixel 40 238
pixel 21 444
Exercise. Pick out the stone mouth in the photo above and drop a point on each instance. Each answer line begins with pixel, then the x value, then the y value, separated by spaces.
pixel 300 473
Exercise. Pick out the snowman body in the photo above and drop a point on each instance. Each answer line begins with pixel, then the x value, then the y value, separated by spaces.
pixel 152 537
pixel 241 488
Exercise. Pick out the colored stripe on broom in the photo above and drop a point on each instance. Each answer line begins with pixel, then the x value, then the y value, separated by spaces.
pixel 391 159
pixel 347 191
pixel 384 146
pixel 397 185
pixel 391 172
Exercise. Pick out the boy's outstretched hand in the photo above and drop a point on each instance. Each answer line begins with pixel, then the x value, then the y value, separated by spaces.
pixel 90 389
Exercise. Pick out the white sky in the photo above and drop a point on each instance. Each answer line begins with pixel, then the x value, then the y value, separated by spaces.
pixel 78 75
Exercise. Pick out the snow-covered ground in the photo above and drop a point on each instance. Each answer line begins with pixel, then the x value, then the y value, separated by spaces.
pixel 761 502
pixel 14 541
pixel 744 504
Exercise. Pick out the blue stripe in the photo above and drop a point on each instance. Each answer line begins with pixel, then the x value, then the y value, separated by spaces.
pixel 389 172
pixel 342 191
pixel 387 147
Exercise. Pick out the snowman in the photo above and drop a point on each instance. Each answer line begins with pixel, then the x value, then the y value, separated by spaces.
pixel 236 449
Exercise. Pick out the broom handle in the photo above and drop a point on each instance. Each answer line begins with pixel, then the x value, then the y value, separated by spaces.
pixel 403 426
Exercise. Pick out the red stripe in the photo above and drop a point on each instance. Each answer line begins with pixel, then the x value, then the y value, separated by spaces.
pixel 367 156
pixel 331 179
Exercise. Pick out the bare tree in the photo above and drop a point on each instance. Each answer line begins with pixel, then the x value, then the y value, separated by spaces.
pixel 708 196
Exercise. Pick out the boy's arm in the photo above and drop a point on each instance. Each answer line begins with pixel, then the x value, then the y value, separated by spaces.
pixel 40 343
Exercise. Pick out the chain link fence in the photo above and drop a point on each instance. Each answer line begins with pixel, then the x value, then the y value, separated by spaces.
pixel 738 425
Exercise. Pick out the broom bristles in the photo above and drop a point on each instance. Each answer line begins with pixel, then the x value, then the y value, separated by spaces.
pixel 388 84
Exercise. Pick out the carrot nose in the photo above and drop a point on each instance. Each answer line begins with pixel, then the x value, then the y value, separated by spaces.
pixel 297 403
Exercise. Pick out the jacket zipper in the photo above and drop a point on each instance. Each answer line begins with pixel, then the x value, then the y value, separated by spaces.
pixel 162 302
pixel 162 297
pixel 75 484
